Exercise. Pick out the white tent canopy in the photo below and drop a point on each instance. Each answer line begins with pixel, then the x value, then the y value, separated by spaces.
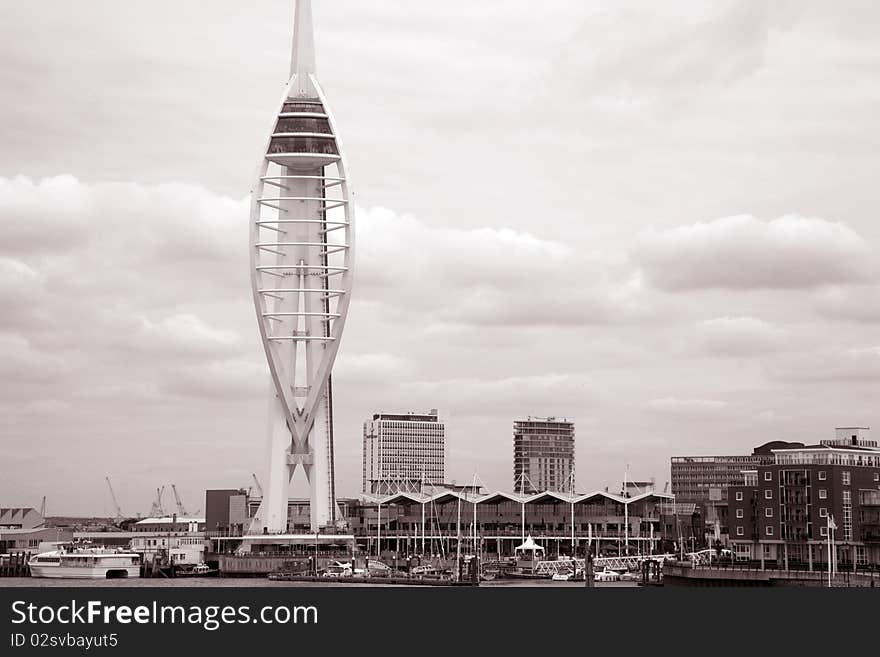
pixel 529 545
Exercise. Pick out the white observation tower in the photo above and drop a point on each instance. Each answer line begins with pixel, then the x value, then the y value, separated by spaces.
pixel 301 250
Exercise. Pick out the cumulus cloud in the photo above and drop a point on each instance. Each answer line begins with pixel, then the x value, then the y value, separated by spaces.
pixel 107 286
pixel 516 396
pixel 45 214
pixel 184 334
pixel 21 291
pixel 744 252
pixel 21 363
pixel 845 366
pixel 857 303
pixel 372 367
pixel 737 336
pixel 147 314
pixel 631 54
pixel 141 329
pixel 486 276
pixel 226 379
pixel 688 407
pixel 489 289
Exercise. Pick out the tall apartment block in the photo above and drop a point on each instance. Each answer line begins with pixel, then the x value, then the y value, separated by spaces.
pixel 543 454
pixel 403 452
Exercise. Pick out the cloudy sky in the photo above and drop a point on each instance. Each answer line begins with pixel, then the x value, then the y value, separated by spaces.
pixel 658 219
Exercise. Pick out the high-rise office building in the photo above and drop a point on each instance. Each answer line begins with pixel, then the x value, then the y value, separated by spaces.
pixel 403 452
pixel 543 455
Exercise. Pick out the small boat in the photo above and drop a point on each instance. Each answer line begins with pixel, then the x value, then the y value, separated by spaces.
pixel 338 569
pixel 377 569
pixel 89 562
pixel 424 570
pixel 201 570
pixel 606 575
pixel 563 576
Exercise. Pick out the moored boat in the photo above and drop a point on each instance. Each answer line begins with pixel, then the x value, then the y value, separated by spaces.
pixel 606 575
pixel 201 570
pixel 92 562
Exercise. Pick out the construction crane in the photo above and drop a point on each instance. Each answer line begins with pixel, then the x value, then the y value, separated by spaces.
pixel 156 510
pixel 181 511
pixel 257 485
pixel 113 496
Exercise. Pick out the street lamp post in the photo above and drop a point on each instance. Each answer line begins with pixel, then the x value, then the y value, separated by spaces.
pixel 830 527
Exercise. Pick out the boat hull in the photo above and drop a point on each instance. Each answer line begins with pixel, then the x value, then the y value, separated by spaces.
pixel 93 572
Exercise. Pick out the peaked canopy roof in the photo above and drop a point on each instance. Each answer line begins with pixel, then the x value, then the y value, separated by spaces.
pixel 499 497
pixel 529 544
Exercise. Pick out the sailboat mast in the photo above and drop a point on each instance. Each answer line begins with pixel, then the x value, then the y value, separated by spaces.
pixel 458 540
pixel 625 512
pixel 522 489
pixel 571 492
pixel 474 493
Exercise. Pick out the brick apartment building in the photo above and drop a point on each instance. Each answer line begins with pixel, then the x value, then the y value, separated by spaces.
pixel 779 515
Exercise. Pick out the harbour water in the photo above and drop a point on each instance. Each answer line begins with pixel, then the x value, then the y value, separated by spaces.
pixel 243 582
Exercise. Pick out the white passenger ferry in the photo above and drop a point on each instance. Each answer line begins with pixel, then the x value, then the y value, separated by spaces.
pixel 86 563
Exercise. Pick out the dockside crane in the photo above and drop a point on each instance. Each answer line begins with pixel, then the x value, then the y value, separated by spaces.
pixel 113 497
pixel 259 488
pixel 156 510
pixel 181 511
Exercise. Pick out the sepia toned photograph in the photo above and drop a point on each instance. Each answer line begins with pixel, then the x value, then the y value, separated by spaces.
pixel 340 294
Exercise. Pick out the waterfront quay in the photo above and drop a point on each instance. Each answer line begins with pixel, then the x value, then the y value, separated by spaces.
pixel 688 573
pixel 14 565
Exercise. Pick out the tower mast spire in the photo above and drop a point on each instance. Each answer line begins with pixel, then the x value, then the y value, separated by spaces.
pixel 302 58
pixel 302 243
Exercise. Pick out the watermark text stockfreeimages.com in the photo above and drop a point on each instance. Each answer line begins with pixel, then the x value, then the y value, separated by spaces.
pixel 210 617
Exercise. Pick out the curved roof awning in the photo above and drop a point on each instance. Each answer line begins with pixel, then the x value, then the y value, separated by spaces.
pixel 530 545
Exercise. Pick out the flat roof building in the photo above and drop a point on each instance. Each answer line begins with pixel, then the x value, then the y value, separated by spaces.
pixel 543 454
pixel 703 479
pixel 851 436
pixel 403 452
pixel 782 515
pixel 226 510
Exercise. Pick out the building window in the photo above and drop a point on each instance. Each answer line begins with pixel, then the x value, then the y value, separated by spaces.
pixel 847 515
pixel 877 476
pixel 822 475
pixel 768 512
pixel 845 475
pixel 768 494
pixel 739 531
pixel 739 513
pixel 768 531
pixel 739 496
pixel 823 494
pixel 823 512
pixel 823 531
pixel 768 476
